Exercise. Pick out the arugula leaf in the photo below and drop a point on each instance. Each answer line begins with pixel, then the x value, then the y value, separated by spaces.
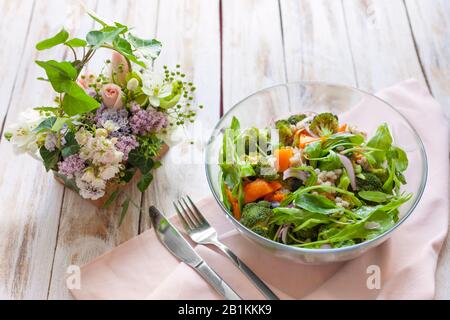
pixel 313 150
pixel 145 181
pixel 330 162
pixel 76 43
pixel 317 204
pixel 50 158
pixel 381 140
pixel 57 39
pixel 374 196
pixel 299 218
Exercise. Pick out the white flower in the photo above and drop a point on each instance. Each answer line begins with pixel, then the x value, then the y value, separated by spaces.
pixel 89 190
pixel 155 87
pixel 82 136
pixel 132 84
pixel 21 133
pixel 109 172
pixel 110 126
pixel 90 177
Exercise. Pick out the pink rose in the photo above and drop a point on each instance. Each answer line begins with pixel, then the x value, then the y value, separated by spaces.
pixel 119 69
pixel 112 96
pixel 86 80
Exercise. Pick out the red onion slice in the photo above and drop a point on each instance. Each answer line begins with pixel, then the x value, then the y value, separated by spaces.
pixel 350 170
pixel 292 173
pixel 284 234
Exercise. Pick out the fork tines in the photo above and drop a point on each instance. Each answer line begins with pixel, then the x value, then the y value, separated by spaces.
pixel 189 213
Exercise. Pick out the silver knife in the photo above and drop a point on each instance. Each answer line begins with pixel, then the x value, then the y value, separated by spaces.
pixel 171 238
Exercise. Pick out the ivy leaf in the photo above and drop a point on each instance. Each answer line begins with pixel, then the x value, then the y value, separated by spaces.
pixel 140 161
pixel 71 147
pixel 129 174
pixel 57 39
pixel 99 38
pixel 59 124
pixel 76 101
pixel 45 125
pixel 76 43
pixel 144 182
pixel 60 74
pixel 122 45
pixel 150 49
pixel 50 158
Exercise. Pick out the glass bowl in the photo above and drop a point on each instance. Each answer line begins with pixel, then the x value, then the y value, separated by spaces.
pixel 353 106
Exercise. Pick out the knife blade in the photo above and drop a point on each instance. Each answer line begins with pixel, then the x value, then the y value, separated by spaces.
pixel 171 238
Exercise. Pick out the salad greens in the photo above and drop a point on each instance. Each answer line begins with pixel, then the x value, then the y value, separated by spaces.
pixel 320 184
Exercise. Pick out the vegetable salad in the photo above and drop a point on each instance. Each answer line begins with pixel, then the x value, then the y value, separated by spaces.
pixel 313 182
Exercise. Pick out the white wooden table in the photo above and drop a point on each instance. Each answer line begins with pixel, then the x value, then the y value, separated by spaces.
pixel 232 48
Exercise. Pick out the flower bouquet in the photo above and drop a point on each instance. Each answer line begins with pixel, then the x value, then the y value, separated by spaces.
pixel 103 130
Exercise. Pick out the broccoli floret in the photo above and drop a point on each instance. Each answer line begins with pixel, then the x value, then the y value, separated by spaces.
pixel 324 124
pixel 285 132
pixel 370 182
pixel 296 118
pixel 263 169
pixel 256 215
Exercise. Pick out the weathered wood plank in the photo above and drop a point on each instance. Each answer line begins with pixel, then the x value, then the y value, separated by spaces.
pixel 30 198
pixel 252 47
pixel 430 22
pixel 315 42
pixel 381 43
pixel 190 33
pixel 12 45
pixel 85 231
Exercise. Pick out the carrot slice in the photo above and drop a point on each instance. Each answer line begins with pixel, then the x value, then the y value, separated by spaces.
pixel 256 190
pixel 283 157
pixel 275 185
pixel 235 205
pixel 275 197
pixel 343 128
pixel 306 139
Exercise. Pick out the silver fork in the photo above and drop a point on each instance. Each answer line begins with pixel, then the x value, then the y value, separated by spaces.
pixel 201 232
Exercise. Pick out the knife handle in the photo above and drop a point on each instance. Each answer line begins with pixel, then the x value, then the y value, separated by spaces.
pixel 216 282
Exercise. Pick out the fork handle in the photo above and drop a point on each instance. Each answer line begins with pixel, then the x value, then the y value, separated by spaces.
pixel 265 290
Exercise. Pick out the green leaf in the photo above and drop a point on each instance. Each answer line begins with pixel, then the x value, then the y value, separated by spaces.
pixel 152 47
pixel 111 198
pixel 99 38
pixel 140 161
pixel 313 150
pixel 122 45
pixel 374 196
pixel 402 159
pixel 76 101
pixel 59 124
pixel 50 158
pixel 235 125
pixel 125 206
pixel 129 174
pixel 381 140
pixel 96 18
pixel 145 181
pixel 330 162
pixel 69 183
pixel 71 147
pixel 317 204
pixel 60 74
pixel 76 43
pixel 45 125
pixel 57 39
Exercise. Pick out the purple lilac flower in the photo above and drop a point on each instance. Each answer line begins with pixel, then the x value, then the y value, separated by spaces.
pixel 118 117
pixel 51 140
pixel 71 166
pixel 150 120
pixel 135 107
pixel 125 144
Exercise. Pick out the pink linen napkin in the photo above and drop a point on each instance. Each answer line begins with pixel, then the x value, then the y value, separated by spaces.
pixel 143 269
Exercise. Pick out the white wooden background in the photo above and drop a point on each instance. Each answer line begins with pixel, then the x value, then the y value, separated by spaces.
pixel 232 48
